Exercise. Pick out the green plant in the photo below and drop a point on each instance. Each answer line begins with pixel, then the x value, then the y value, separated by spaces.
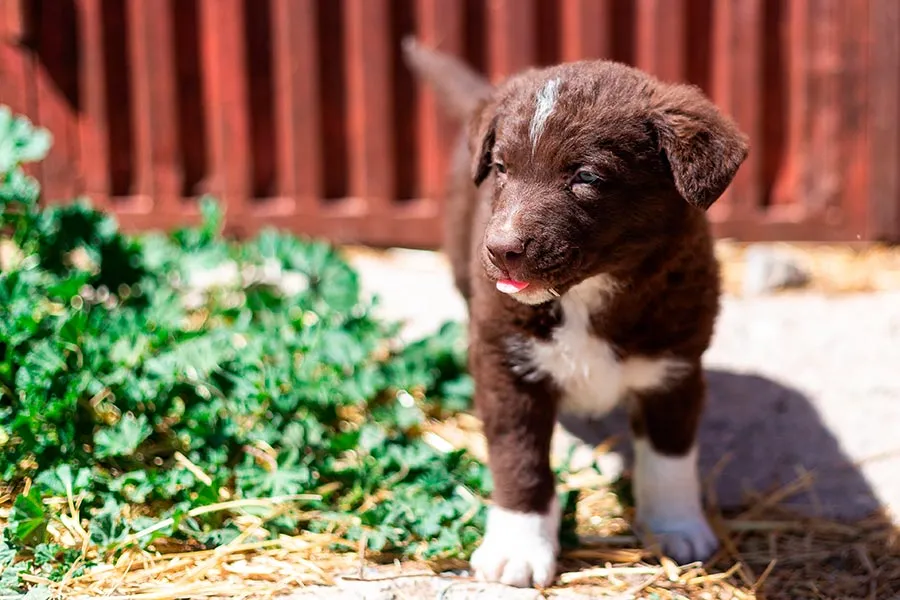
pixel 142 379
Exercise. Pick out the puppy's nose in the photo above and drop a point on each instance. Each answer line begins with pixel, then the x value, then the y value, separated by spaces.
pixel 505 249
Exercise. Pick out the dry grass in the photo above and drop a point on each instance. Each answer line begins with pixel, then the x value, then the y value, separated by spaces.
pixel 766 552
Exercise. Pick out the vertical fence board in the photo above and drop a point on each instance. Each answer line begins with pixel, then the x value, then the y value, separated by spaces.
pixel 94 128
pixel 854 39
pixel 512 40
pixel 737 90
pixel 369 103
pixel 12 21
pixel 296 68
pixel 440 25
pixel 225 93
pixel 158 161
pixel 586 29
pixel 661 47
pixel 788 189
pixel 884 91
pixel 55 74
pixel 822 178
pixel 17 79
pixel 17 89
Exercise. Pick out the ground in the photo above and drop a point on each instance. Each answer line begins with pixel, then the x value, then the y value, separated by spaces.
pixel 799 448
pixel 803 388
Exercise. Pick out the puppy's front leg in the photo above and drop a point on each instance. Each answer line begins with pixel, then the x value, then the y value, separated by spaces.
pixel 521 542
pixel 666 483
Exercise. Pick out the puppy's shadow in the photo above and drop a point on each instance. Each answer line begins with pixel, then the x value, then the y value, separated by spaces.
pixel 760 435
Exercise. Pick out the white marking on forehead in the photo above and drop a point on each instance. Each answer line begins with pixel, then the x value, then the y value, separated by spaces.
pixel 545 101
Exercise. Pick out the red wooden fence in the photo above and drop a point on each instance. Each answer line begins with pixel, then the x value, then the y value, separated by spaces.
pixel 300 113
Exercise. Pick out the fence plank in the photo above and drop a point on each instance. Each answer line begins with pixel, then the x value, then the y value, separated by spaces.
pixel 369 100
pixel 296 68
pixel 17 87
pixel 17 79
pixel 854 43
pixel 225 101
pixel 788 185
pixel 737 82
pixel 55 76
pixel 822 179
pixel 586 29
pixel 158 172
pixel 511 36
pixel 661 47
pixel 12 21
pixel 94 127
pixel 884 106
pixel 440 25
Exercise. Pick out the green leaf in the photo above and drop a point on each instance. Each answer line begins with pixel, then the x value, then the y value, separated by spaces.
pixel 61 481
pixel 28 519
pixel 7 555
pixel 107 527
pixel 38 592
pixel 46 553
pixel 10 584
pixel 123 438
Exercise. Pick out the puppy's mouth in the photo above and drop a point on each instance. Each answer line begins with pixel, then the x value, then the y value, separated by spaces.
pixel 535 278
pixel 513 287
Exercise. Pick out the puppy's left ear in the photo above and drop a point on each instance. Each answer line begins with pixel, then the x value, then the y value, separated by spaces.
pixel 481 136
pixel 703 146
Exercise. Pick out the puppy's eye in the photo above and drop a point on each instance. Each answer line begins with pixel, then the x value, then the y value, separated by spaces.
pixel 501 168
pixel 586 177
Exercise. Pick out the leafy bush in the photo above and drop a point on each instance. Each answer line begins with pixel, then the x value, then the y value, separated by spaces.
pixel 144 378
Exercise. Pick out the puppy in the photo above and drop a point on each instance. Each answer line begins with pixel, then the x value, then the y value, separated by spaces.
pixel 577 231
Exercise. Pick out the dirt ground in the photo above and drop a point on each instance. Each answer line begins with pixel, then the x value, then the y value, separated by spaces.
pixel 801 383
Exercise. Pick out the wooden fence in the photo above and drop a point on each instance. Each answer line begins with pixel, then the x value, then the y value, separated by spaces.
pixel 300 113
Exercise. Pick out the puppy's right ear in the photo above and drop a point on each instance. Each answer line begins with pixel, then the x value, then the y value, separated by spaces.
pixel 482 134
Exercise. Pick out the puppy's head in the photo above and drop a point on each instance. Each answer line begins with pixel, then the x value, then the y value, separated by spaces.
pixel 592 166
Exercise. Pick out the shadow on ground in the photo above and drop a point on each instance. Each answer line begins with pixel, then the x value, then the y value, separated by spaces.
pixel 759 435
pixel 829 539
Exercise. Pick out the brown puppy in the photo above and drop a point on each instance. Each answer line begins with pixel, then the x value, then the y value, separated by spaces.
pixel 578 236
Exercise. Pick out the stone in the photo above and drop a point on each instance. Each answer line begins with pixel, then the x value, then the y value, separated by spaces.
pixel 768 269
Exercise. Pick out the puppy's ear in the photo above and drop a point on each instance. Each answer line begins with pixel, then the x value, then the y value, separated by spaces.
pixel 703 146
pixel 482 134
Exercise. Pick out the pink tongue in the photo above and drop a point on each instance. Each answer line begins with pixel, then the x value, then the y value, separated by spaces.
pixel 511 286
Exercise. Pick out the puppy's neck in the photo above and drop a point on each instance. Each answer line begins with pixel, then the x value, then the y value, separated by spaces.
pixel 587 298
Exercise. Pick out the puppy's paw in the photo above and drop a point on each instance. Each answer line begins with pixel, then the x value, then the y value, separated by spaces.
pixel 685 541
pixel 667 499
pixel 519 549
pixel 518 563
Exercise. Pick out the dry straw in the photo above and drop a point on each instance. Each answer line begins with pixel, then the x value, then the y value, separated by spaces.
pixel 767 552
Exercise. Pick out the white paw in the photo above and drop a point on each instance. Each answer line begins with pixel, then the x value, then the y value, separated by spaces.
pixel 683 541
pixel 667 499
pixel 519 549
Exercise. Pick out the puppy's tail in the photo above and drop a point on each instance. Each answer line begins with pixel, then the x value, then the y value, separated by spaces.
pixel 459 89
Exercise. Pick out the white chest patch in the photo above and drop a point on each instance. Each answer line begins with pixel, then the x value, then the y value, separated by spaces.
pixel 585 366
